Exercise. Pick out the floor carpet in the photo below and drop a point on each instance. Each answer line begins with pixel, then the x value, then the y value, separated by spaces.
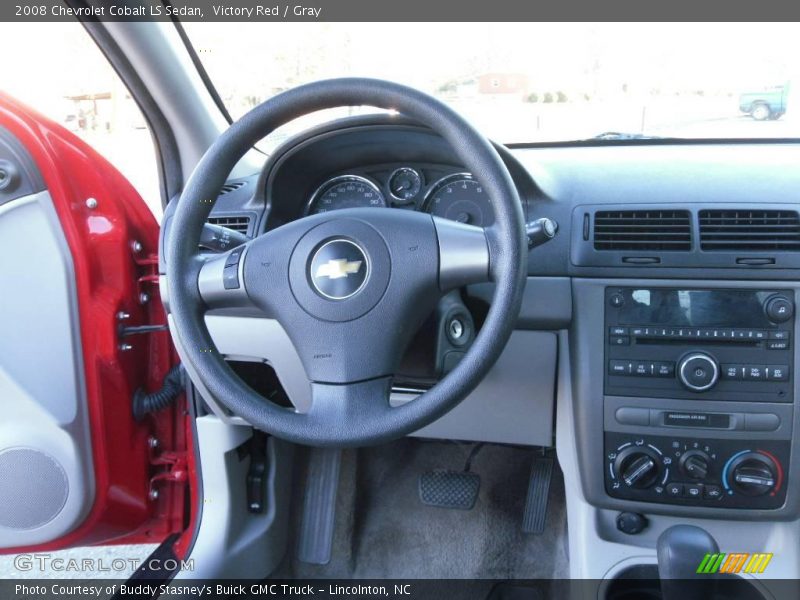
pixel 382 529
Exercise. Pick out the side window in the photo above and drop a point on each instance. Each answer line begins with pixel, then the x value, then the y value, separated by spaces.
pixel 62 74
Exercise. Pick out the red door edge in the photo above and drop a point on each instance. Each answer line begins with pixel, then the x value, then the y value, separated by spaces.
pixel 143 471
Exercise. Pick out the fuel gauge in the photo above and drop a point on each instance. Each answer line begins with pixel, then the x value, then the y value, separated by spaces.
pixel 404 184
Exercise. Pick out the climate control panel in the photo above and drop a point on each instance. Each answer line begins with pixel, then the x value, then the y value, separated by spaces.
pixel 701 472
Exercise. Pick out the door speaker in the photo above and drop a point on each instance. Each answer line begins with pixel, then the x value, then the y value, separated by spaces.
pixel 34 488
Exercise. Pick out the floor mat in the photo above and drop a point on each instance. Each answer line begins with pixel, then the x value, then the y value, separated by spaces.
pixel 383 530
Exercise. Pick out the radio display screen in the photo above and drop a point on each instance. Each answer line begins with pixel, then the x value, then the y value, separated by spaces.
pixel 694 308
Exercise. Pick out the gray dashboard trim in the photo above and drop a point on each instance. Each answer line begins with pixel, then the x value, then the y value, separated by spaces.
pixel 546 302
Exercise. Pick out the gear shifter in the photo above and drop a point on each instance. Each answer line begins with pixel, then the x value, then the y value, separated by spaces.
pixel 680 550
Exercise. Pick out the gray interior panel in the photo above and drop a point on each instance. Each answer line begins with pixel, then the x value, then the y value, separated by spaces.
pixel 45 443
pixel 233 542
pixel 513 404
pixel 547 302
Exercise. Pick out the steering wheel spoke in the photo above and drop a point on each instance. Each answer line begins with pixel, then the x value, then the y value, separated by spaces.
pixel 463 254
pixel 221 280
pixel 347 405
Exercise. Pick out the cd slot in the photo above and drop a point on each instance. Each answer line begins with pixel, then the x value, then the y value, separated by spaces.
pixel 706 342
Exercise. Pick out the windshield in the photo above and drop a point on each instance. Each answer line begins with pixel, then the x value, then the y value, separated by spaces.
pixel 532 82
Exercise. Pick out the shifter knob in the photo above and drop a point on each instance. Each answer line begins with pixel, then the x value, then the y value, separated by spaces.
pixel 681 549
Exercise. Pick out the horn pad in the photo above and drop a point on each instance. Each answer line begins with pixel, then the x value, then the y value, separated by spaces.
pixel 340 270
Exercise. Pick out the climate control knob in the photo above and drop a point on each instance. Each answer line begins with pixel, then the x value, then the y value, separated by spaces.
pixel 694 464
pixel 753 474
pixel 698 371
pixel 638 467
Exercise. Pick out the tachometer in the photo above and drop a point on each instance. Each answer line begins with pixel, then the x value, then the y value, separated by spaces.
pixel 460 198
pixel 345 191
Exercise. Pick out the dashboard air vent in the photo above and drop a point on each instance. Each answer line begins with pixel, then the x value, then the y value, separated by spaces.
pixel 740 229
pixel 230 187
pixel 643 230
pixel 240 223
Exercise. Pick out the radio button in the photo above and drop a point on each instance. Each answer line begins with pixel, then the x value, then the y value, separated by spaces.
pixel 779 335
pixel 778 372
pixel 761 334
pixel 619 367
pixel 618 331
pixel 642 368
pixel 619 340
pixel 732 371
pixel 755 372
pixel 616 300
pixel 777 345
pixel 664 369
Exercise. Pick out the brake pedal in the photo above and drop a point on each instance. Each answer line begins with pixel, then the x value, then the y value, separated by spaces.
pixel 449 489
pixel 319 506
pixel 533 520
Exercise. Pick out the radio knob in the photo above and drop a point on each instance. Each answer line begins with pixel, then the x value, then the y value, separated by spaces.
pixel 638 468
pixel 694 464
pixel 778 309
pixel 753 474
pixel 698 371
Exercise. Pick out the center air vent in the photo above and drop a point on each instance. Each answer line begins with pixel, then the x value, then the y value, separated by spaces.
pixel 765 230
pixel 647 230
pixel 240 223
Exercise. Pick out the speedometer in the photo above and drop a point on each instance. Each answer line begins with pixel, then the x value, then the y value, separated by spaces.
pixel 460 198
pixel 346 191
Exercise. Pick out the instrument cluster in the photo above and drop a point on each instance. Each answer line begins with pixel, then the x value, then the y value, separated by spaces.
pixel 451 195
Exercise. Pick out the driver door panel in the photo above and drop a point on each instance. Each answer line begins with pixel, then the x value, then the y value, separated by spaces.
pixel 76 467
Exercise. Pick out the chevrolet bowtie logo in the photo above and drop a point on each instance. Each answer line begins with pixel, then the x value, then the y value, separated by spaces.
pixel 336 269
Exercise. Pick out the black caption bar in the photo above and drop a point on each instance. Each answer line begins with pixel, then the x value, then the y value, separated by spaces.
pixel 368 589
pixel 394 10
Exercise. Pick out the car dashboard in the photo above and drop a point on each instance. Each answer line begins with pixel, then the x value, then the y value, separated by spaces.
pixel 631 342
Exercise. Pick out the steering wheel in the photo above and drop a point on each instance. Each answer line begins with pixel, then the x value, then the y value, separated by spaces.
pixel 349 287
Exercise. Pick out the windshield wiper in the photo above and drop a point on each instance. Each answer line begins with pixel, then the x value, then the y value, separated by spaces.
pixel 618 135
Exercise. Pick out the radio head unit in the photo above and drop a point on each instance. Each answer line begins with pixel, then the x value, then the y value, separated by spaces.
pixel 699 343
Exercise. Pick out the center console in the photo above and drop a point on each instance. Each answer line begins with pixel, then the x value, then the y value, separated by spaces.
pixel 690 408
pixel 703 345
